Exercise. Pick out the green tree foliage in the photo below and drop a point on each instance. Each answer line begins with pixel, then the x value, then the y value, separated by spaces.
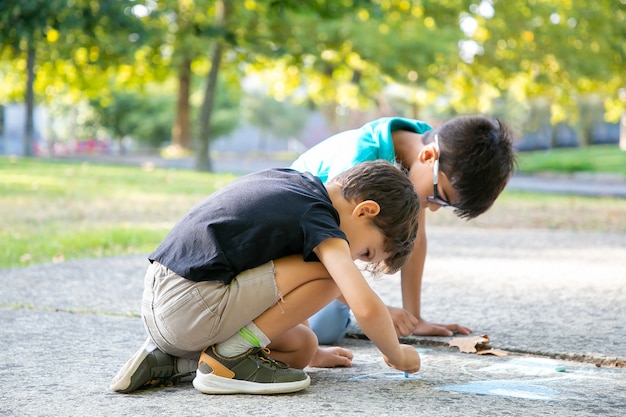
pixel 145 118
pixel 184 34
pixel 450 55
pixel 148 117
pixel 66 38
pixel 557 49
pixel 250 31
pixel 349 57
pixel 274 119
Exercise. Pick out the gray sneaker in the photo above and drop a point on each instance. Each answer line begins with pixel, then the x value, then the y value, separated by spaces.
pixel 252 372
pixel 146 369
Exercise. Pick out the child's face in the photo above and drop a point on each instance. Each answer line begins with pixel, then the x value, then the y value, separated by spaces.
pixel 422 176
pixel 442 197
pixel 367 242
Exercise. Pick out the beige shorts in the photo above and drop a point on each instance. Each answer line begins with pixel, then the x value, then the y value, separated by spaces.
pixel 183 317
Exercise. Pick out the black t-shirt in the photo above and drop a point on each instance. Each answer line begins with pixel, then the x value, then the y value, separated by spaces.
pixel 256 218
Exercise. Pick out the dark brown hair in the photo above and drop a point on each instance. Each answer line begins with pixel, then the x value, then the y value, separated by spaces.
pixel 478 158
pixel 388 186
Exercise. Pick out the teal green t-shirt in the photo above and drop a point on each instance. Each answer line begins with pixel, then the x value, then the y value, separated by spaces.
pixel 346 149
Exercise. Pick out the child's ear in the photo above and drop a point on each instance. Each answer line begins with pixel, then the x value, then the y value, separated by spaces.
pixel 428 153
pixel 366 208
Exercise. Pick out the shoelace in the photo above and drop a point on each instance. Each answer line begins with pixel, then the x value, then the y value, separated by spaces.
pixel 263 354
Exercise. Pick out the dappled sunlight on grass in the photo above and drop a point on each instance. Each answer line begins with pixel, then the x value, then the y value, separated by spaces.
pixel 598 159
pixel 57 211
pixel 53 212
pixel 53 245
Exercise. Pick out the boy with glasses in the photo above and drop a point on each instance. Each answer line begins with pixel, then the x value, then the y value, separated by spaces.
pixel 464 164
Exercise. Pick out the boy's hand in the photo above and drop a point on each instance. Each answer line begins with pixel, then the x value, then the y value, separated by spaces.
pixel 403 321
pixel 410 360
pixel 425 328
pixel 405 324
pixel 332 357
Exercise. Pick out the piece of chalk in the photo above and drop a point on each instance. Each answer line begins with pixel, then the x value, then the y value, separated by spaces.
pixel 406 374
pixel 560 368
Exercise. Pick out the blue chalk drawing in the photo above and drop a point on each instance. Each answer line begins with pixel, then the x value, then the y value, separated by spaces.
pixel 538 367
pixel 377 376
pixel 404 376
pixel 505 388
pixel 540 371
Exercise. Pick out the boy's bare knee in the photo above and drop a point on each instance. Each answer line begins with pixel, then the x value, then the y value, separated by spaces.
pixel 297 347
pixel 307 349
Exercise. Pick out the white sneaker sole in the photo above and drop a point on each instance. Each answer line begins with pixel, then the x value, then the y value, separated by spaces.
pixel 213 384
pixel 122 380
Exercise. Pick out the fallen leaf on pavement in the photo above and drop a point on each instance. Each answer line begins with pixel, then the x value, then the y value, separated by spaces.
pixel 495 352
pixel 470 344
pixel 478 345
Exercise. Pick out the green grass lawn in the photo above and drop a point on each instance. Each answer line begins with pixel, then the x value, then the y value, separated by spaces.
pixel 595 159
pixel 53 211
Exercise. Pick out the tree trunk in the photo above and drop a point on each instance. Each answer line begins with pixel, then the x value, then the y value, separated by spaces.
pixel 181 134
pixel 622 132
pixel 29 128
pixel 203 160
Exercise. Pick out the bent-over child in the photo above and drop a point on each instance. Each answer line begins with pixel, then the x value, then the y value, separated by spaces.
pixel 464 165
pixel 230 288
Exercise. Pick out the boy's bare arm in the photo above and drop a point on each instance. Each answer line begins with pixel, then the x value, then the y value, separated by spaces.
pixel 412 272
pixel 411 283
pixel 369 310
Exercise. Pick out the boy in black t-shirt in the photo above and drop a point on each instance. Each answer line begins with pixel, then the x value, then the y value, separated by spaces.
pixel 236 279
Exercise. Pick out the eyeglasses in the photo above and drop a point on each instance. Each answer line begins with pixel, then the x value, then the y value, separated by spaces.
pixel 435 198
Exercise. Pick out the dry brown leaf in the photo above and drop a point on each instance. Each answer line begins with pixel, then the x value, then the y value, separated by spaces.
pixel 470 344
pixel 496 352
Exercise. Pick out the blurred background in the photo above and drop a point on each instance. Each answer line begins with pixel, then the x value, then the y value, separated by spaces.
pixel 195 81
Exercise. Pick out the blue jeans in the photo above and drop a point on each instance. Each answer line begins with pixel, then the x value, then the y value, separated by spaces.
pixel 330 324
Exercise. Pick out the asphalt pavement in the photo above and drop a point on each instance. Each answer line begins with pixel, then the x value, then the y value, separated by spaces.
pixel 554 301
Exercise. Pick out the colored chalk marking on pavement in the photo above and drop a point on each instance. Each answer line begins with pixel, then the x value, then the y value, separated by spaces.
pixel 378 376
pixel 536 367
pixel 504 388
pixel 387 375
